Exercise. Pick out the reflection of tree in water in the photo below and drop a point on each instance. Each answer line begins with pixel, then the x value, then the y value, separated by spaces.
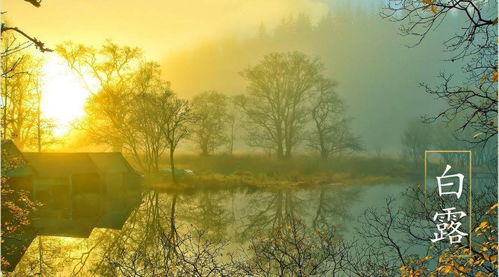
pixel 269 210
pixel 168 249
pixel 45 257
pixel 291 233
pixel 326 207
pixel 76 256
pixel 139 245
pixel 158 246
pixel 151 242
pixel 333 206
pixel 52 255
pixel 207 210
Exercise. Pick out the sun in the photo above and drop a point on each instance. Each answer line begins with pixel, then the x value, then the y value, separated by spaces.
pixel 63 94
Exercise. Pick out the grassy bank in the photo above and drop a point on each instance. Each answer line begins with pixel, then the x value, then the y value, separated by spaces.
pixel 260 171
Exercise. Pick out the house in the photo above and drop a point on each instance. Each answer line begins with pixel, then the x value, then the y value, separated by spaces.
pixel 81 173
pixel 61 176
pixel 79 192
pixel 71 184
pixel 115 171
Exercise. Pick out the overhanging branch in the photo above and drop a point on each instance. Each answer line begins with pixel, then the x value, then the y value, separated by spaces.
pixel 38 44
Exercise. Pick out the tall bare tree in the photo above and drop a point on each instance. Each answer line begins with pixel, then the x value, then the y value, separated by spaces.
pixel 331 133
pixel 233 116
pixel 148 143
pixel 276 104
pixel 130 113
pixel 131 108
pixel 177 117
pixel 209 128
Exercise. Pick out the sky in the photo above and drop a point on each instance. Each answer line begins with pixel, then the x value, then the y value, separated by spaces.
pixel 158 27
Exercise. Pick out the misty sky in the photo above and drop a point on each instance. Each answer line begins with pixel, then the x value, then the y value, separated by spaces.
pixel 158 27
pixel 377 74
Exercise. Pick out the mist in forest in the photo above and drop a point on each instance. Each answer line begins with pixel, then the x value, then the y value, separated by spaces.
pixel 377 73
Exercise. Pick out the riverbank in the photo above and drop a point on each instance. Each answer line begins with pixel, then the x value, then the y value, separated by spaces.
pixel 215 181
pixel 304 171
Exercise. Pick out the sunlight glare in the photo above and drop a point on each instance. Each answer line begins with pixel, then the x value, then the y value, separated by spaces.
pixel 64 95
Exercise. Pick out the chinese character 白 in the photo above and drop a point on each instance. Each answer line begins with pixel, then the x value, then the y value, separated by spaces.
pixel 441 185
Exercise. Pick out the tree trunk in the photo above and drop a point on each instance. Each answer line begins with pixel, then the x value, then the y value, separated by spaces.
pixel 4 117
pixel 324 150
pixel 324 154
pixel 231 145
pixel 38 123
pixel 204 143
pixel 172 165
pixel 204 150
pixel 287 155
pixel 322 144
pixel 173 228
pixel 280 152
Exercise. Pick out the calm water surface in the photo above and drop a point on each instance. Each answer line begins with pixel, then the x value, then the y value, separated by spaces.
pixel 82 245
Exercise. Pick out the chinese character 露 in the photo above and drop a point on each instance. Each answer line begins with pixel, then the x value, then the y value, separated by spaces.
pixel 449 226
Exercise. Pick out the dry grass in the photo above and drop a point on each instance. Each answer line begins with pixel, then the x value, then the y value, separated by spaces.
pixel 258 171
